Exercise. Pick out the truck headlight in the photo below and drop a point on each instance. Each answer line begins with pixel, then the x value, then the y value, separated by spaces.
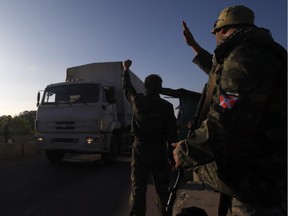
pixel 39 139
pixel 89 140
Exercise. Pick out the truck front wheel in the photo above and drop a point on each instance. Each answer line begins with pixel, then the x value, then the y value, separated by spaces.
pixel 54 156
pixel 111 156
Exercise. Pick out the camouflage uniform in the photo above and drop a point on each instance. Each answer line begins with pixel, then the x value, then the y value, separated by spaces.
pixel 154 127
pixel 240 149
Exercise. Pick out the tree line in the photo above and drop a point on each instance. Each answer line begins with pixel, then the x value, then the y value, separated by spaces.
pixel 22 124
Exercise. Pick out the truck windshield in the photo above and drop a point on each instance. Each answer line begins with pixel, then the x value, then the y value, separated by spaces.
pixel 75 93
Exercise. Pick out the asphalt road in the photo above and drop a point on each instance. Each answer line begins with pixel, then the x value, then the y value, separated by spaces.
pixel 80 186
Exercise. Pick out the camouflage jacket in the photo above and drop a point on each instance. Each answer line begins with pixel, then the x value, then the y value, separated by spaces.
pixel 240 148
pixel 153 124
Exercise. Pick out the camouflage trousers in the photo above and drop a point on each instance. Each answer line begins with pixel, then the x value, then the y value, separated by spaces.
pixel 140 175
pixel 208 173
pixel 243 209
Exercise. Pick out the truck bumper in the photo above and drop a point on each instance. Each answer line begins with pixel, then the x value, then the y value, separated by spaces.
pixel 84 142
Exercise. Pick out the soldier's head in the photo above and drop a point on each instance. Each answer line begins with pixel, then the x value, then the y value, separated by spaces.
pixel 153 83
pixel 235 16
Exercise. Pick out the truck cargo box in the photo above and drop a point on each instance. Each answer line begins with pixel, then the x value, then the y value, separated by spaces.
pixel 108 73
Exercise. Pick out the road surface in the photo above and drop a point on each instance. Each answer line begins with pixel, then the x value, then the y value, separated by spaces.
pixel 80 186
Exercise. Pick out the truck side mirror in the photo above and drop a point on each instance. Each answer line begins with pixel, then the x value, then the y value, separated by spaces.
pixel 38 99
pixel 112 100
pixel 110 93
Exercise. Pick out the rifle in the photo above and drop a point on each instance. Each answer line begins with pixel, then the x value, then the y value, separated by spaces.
pixel 173 191
pixel 180 172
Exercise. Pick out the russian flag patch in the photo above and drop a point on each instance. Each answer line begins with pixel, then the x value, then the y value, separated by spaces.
pixel 227 101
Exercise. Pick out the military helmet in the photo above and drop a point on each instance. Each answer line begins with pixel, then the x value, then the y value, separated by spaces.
pixel 235 15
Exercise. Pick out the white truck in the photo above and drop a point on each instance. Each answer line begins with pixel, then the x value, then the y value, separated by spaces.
pixel 88 113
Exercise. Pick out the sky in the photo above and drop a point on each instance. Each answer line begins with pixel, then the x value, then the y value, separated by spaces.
pixel 40 39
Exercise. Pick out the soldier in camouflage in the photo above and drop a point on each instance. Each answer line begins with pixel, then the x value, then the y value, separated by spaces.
pixel 154 128
pixel 240 147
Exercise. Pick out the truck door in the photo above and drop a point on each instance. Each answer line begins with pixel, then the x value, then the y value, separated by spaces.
pixel 108 109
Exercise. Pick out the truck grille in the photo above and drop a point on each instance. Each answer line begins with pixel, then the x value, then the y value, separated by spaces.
pixel 65 125
pixel 64 140
pixel 68 126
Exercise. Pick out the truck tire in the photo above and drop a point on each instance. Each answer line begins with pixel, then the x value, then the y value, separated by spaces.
pixel 111 156
pixel 54 156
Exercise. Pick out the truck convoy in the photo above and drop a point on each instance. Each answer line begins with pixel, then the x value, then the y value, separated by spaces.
pixel 86 114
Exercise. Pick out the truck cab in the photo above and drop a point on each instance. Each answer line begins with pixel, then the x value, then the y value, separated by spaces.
pixel 88 113
pixel 77 117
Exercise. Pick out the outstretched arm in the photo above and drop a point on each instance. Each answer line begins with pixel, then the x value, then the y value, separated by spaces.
pixel 203 58
pixel 190 39
pixel 127 86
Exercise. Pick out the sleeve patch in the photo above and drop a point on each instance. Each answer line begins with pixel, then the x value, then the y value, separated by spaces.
pixel 227 101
